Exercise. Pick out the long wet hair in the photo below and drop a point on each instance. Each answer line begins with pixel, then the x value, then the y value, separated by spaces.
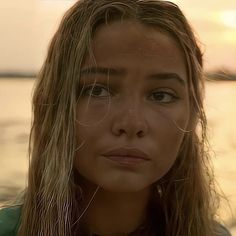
pixel 53 199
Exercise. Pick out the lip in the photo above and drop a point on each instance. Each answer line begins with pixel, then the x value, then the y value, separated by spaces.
pixel 127 156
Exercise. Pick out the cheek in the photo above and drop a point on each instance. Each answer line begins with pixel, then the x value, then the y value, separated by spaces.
pixel 85 161
pixel 89 126
pixel 82 162
pixel 91 112
pixel 169 148
pixel 174 120
pixel 167 136
pixel 88 133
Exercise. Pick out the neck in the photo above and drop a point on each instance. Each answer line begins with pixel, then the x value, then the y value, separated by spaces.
pixel 114 214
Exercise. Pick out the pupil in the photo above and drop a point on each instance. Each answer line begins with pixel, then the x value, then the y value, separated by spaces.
pixel 159 96
pixel 96 91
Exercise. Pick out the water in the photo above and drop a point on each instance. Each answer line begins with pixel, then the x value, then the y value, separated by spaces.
pixel 15 118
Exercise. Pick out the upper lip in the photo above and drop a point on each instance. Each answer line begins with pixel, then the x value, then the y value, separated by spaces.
pixel 127 152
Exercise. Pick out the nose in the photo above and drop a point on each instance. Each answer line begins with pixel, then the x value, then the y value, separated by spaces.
pixel 130 122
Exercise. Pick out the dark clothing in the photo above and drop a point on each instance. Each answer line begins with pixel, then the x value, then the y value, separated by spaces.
pixel 9 221
pixel 10 218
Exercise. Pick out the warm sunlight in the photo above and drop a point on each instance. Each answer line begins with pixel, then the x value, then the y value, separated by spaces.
pixel 27 26
pixel 228 18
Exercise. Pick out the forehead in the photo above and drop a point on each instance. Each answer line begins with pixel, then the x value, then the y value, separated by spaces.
pixel 131 43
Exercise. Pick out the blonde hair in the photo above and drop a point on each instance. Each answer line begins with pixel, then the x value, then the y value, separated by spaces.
pixel 52 200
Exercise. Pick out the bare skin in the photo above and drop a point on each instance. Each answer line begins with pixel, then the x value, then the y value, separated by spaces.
pixel 116 214
pixel 140 109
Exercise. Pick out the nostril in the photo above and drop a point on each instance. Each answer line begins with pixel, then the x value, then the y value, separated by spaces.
pixel 121 131
pixel 140 133
pixel 132 125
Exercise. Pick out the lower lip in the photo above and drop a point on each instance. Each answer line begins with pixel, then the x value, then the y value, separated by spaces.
pixel 126 160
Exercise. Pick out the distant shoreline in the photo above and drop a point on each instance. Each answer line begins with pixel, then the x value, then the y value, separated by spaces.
pixel 211 76
pixel 17 75
pixel 220 76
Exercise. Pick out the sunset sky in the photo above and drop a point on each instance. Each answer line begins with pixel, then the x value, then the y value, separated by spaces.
pixel 26 27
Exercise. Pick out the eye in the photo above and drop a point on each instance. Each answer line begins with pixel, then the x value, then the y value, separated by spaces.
pixel 163 97
pixel 96 91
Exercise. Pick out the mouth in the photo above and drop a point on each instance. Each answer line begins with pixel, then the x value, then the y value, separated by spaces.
pixel 127 156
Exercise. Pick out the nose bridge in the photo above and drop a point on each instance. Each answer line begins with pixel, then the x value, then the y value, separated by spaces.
pixel 131 106
pixel 130 117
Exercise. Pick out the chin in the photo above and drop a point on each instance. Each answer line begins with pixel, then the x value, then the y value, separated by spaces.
pixel 125 186
pixel 119 182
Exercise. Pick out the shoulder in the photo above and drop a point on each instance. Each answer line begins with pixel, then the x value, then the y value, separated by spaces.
pixel 221 230
pixel 9 220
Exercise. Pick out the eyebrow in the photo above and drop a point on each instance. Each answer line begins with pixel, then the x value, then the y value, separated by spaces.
pixel 168 76
pixel 119 72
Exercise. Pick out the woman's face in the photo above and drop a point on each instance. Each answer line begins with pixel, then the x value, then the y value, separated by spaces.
pixel 133 96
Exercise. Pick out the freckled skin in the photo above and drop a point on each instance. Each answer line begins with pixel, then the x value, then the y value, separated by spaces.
pixel 129 116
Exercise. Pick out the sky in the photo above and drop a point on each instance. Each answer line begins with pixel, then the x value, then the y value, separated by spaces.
pixel 26 27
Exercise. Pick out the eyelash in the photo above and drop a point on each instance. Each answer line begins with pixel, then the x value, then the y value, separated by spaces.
pixel 172 97
pixel 91 87
pixel 87 89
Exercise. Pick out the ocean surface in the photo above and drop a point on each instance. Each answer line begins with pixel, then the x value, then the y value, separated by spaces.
pixel 15 120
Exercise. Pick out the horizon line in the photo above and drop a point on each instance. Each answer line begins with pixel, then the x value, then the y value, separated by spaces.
pixel 16 74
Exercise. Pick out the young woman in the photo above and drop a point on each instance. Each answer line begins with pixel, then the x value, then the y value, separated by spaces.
pixel 118 142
